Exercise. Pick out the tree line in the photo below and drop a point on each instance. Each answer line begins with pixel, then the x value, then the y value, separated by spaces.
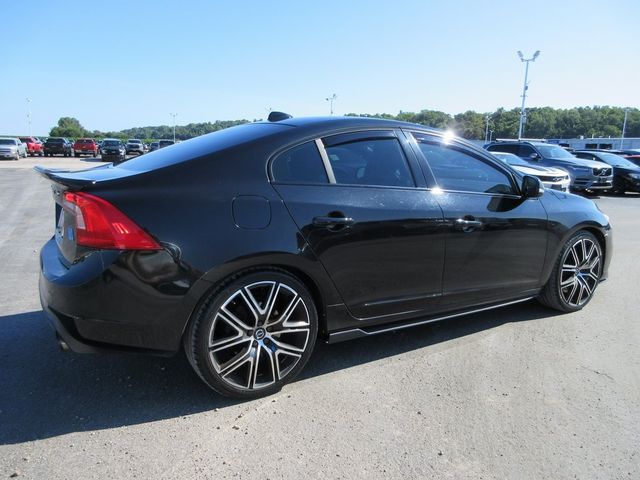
pixel 544 122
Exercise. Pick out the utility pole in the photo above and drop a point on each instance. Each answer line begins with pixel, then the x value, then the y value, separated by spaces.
pixel 29 114
pixel 174 115
pixel 331 99
pixel 523 113
pixel 624 126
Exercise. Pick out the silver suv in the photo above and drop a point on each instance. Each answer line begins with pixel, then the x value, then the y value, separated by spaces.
pixel 585 174
pixel 134 145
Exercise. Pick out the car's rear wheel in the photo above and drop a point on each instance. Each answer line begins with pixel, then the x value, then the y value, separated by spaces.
pixel 575 275
pixel 253 334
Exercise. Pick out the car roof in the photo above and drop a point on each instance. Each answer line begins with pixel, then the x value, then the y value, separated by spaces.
pixel 347 122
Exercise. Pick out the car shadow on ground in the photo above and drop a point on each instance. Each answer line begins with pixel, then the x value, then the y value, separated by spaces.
pixel 46 392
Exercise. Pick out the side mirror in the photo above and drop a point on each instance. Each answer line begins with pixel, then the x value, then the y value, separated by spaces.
pixel 534 156
pixel 531 187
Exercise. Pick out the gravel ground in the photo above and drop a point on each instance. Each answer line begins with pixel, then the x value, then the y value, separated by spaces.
pixel 521 392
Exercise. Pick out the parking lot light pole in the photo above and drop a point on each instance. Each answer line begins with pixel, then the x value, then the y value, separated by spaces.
pixel 29 114
pixel 331 99
pixel 486 128
pixel 624 126
pixel 174 115
pixel 523 114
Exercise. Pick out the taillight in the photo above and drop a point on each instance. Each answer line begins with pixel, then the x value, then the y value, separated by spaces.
pixel 101 225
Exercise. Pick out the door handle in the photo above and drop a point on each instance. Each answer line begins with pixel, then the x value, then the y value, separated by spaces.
pixel 467 225
pixel 332 221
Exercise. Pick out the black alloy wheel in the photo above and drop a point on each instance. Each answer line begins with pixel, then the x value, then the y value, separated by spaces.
pixel 576 274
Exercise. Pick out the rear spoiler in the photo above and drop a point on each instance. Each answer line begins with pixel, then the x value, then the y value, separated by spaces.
pixel 78 179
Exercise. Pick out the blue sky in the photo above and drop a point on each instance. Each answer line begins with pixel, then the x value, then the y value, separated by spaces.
pixel 132 63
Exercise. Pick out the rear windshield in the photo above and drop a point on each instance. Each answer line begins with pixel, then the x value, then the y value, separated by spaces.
pixel 7 141
pixel 203 145
pixel 84 140
pixel 55 140
pixel 111 143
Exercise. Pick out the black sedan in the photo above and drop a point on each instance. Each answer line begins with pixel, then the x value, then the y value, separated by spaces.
pixel 626 174
pixel 246 245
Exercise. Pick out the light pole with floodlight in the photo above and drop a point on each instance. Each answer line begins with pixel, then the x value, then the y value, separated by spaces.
pixel 29 114
pixel 624 126
pixel 331 99
pixel 523 114
pixel 174 115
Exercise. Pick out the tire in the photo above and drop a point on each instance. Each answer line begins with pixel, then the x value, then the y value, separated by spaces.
pixel 253 334
pixel 575 275
pixel 18 156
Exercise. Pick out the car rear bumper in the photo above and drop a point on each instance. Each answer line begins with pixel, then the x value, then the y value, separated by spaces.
pixel 79 303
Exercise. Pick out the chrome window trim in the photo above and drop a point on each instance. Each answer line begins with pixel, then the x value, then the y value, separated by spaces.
pixel 325 159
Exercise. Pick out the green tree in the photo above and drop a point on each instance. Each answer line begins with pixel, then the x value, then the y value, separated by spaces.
pixel 69 127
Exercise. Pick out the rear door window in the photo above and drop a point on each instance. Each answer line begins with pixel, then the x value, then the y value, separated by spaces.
pixel 369 161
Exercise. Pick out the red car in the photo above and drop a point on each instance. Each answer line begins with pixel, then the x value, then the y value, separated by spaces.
pixel 34 146
pixel 85 146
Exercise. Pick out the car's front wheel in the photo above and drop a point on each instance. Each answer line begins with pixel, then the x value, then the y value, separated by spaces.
pixel 253 334
pixel 575 275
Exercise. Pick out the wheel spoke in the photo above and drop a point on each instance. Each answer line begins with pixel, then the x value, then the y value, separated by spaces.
pixel 233 320
pixel 275 375
pixel 228 342
pixel 569 280
pixel 287 311
pixel 289 349
pixel 237 361
pixel 268 304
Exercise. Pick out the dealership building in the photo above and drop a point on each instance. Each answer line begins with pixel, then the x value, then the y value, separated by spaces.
pixel 606 142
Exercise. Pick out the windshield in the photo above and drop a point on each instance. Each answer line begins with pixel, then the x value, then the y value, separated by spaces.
pixel 84 140
pixel 510 159
pixel 55 140
pixel 615 160
pixel 134 141
pixel 7 141
pixel 553 151
pixel 111 143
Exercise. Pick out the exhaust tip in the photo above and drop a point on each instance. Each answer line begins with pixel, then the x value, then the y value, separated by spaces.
pixel 62 344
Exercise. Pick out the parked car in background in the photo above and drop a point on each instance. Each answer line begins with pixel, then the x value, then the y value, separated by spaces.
pixel 153 146
pixel 33 146
pixel 85 146
pixel 113 150
pixel 626 174
pixel 165 143
pixel 245 245
pixel 551 177
pixel 134 145
pixel 58 146
pixel 585 174
pixel 12 148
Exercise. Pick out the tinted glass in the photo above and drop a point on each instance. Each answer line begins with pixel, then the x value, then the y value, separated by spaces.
pixel 525 151
pixel 7 141
pixel 111 143
pixel 510 159
pixel 377 161
pixel 459 171
pixel 301 164
pixel 508 148
pixel 553 151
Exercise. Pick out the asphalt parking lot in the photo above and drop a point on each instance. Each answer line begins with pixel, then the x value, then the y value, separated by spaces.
pixel 521 392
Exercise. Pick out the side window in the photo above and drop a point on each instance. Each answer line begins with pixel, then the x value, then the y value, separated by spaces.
pixel 301 164
pixel 504 147
pixel 376 161
pixel 456 170
pixel 525 151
